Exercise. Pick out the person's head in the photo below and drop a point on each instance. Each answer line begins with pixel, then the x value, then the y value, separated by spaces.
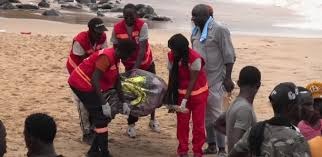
pixel 250 79
pixel 40 130
pixel 130 14
pixel 200 14
pixel 316 90
pixel 96 28
pixel 3 142
pixel 307 112
pixel 179 45
pixel 125 48
pixel 211 11
pixel 284 99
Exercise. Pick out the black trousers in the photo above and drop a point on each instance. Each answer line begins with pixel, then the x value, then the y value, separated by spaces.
pixel 94 108
pixel 131 119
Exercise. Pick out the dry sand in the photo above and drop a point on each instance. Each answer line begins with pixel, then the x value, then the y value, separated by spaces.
pixel 33 79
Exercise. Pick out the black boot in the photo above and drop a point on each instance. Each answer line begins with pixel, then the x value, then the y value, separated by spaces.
pixel 103 145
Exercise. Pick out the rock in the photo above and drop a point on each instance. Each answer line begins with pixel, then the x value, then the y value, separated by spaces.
pixel 103 1
pixel 64 1
pixel 93 6
pixel 3 1
pixel 83 1
pixel 120 16
pixel 160 18
pixel 27 6
pixel 117 9
pixel 43 4
pixel 51 12
pixel 71 6
pixel 7 6
pixel 99 13
pixel 117 2
pixel 145 11
pixel 106 6
pixel 139 6
pixel 14 1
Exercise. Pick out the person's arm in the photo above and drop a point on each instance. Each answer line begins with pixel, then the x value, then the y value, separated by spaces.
pixel 242 124
pixel 113 39
pixel 220 124
pixel 241 148
pixel 119 89
pixel 143 41
pixel 193 79
pixel 227 49
pixel 102 64
pixel 78 50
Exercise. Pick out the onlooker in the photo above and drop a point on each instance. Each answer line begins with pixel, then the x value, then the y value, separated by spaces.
pixel 213 42
pixel 311 124
pixel 276 136
pixel 240 116
pixel 3 142
pixel 40 131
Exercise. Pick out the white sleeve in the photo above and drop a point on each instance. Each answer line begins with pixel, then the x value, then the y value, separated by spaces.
pixel 196 65
pixel 104 44
pixel 113 38
pixel 144 33
pixel 78 49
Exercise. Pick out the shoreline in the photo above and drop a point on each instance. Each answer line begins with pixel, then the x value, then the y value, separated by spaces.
pixel 45 27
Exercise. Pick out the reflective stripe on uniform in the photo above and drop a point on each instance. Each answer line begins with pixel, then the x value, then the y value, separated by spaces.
pixel 195 92
pixel 83 76
pixel 101 130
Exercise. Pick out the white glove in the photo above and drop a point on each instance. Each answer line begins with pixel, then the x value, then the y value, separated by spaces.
pixel 182 108
pixel 126 108
pixel 107 110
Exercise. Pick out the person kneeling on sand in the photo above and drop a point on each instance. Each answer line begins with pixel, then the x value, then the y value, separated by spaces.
pixel 3 143
pixel 40 131
pixel 85 44
pixel 188 87
pixel 276 136
pixel 94 76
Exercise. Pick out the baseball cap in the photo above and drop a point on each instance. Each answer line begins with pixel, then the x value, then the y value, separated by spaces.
pixel 316 89
pixel 97 25
pixel 284 94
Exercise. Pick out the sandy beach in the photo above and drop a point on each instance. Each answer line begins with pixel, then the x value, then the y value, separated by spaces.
pixel 33 79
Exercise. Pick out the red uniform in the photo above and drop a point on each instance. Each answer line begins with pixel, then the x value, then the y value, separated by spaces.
pixel 83 39
pixel 196 104
pixel 80 78
pixel 121 33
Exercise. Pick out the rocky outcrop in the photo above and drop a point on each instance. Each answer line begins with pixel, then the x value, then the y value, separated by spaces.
pixel 71 6
pixel 27 6
pixel 43 4
pixel 51 12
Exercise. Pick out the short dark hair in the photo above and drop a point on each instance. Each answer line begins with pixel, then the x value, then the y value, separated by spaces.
pixel 3 134
pixel 129 6
pixel 249 76
pixel 126 47
pixel 41 126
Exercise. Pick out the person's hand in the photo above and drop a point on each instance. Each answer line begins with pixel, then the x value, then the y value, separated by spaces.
pixel 126 108
pixel 106 108
pixel 228 84
pixel 182 108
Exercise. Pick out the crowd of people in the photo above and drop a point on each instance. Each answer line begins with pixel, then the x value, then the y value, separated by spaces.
pixel 199 77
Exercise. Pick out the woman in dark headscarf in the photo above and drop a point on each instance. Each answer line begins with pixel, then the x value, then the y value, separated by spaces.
pixel 188 89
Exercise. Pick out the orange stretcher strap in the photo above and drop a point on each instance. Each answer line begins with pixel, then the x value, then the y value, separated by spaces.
pixel 101 130
pixel 195 92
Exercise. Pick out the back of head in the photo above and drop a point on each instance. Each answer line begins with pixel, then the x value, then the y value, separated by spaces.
pixel 178 43
pixel 129 6
pixel 201 10
pixel 3 143
pixel 284 97
pixel 40 127
pixel 249 76
pixel 126 48
pixel 316 89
